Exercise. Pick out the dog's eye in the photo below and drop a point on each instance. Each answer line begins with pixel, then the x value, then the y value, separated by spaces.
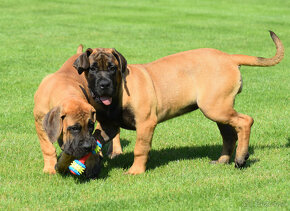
pixel 91 70
pixel 75 128
pixel 112 68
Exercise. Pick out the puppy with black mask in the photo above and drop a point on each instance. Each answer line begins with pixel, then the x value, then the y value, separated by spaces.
pixel 205 79
pixel 62 112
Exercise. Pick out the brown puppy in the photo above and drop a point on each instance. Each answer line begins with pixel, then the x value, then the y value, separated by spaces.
pixel 62 112
pixel 207 79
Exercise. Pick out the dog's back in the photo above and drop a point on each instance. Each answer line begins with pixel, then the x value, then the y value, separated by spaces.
pixel 65 82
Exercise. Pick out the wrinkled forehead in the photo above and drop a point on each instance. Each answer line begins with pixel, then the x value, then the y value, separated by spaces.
pixel 77 112
pixel 102 50
pixel 78 117
pixel 82 119
pixel 102 57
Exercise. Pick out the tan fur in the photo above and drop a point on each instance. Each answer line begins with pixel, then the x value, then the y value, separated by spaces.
pixel 207 78
pixel 61 89
pixel 80 49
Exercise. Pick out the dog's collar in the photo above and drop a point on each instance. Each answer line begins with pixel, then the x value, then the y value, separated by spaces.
pixel 98 147
pixel 85 93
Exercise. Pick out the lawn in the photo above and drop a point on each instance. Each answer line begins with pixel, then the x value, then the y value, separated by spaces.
pixel 36 38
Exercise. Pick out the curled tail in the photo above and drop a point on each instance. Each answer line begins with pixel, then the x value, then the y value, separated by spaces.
pixel 260 61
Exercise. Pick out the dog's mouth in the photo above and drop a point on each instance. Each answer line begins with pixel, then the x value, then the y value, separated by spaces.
pixel 106 100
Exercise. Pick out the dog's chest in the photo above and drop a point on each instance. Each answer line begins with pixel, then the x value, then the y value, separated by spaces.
pixel 127 119
pixel 124 117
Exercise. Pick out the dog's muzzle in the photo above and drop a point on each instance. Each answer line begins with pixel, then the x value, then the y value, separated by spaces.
pixel 79 148
pixel 103 92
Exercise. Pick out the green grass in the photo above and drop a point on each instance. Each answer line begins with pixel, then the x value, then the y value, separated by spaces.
pixel 36 38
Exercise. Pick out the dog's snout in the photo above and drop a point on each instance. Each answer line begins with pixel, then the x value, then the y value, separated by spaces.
pixel 104 84
pixel 87 146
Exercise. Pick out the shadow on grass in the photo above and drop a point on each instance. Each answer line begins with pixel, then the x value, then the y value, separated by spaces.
pixel 77 179
pixel 164 156
pixel 288 143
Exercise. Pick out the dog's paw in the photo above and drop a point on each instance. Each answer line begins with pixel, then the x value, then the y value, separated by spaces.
pixel 49 170
pixel 135 170
pixel 223 159
pixel 49 165
pixel 241 162
pixel 247 156
pixel 114 152
pixel 113 155
pixel 214 162
pixel 93 173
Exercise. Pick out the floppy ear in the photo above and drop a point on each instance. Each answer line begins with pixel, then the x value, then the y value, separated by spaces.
pixel 82 63
pixel 122 61
pixel 52 124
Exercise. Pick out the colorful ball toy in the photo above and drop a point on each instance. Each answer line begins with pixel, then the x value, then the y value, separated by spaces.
pixel 77 167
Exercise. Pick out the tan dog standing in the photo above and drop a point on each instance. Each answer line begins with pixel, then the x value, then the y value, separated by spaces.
pixel 62 112
pixel 207 79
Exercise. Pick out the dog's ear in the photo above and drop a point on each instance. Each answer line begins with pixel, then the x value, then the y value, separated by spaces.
pixel 52 124
pixel 82 63
pixel 122 62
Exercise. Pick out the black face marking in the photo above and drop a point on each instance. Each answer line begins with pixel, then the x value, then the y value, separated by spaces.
pixel 75 129
pixel 107 70
pixel 101 77
pixel 112 67
pixel 80 143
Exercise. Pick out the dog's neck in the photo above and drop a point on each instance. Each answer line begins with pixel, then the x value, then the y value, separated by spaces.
pixel 85 93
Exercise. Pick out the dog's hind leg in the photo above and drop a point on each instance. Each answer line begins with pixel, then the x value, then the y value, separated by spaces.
pixel 221 111
pixel 48 150
pixel 243 124
pixel 230 137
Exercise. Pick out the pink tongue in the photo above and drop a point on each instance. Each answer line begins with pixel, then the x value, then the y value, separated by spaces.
pixel 106 100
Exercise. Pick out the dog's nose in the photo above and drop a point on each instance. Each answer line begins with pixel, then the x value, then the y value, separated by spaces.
pixel 104 84
pixel 87 146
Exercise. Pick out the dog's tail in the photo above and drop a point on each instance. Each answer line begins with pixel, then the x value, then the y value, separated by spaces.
pixel 260 61
pixel 80 48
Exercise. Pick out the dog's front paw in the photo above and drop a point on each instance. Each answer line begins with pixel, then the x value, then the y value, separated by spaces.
pixel 113 155
pixel 134 170
pixel 114 149
pixel 93 166
pixel 49 170
pixel 93 173
pixel 63 163
pixel 49 165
